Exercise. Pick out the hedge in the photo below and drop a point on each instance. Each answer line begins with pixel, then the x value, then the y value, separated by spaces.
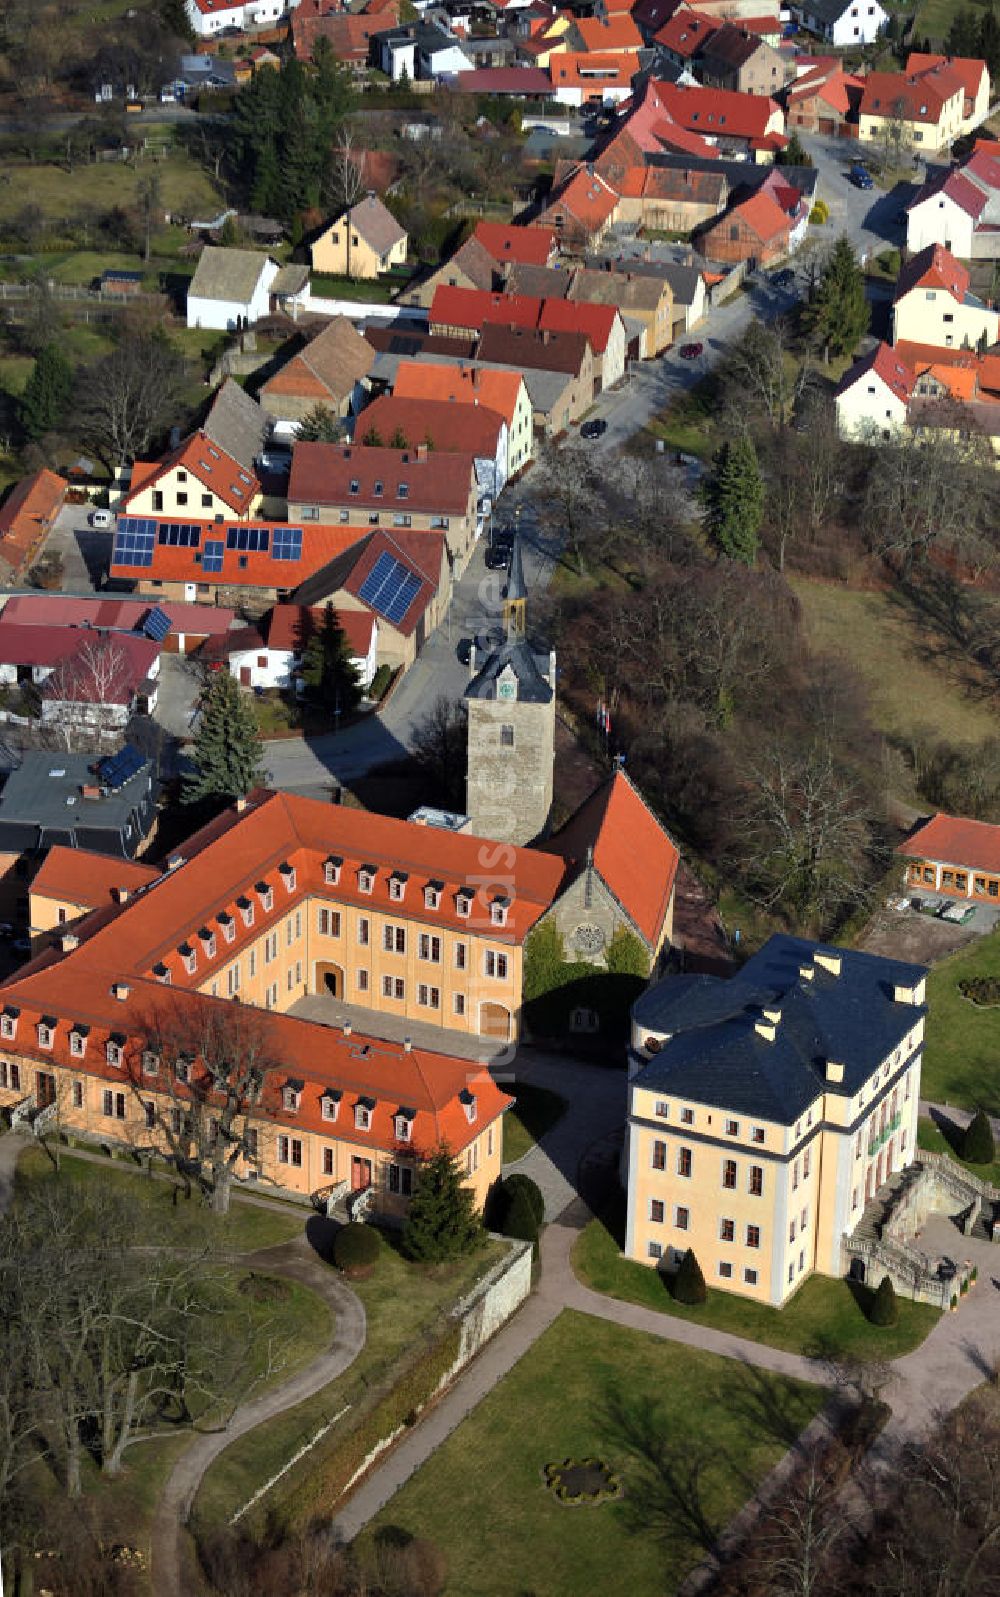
pixel 356 1247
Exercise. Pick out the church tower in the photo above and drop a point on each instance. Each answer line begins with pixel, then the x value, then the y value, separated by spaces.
pixel 511 700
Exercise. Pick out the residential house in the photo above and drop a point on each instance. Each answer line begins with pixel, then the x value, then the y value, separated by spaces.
pixel 27 516
pixel 954 856
pixel 766 1109
pixel 672 199
pixel 975 79
pixel 348 33
pixel 463 382
pixel 422 50
pixel 687 286
pixel 230 288
pixel 237 424
pixel 505 83
pixel 179 628
pixel 579 80
pixel 400 579
pixel 456 311
pixel 932 304
pixel 346 484
pixel 581 210
pixel 607 34
pixel 843 23
pixel 873 397
pixel 330 370
pixel 444 425
pixel 755 229
pixel 197 481
pixel 210 18
pixel 224 562
pixel 269 654
pixel 684 35
pixel 471 266
pixel 557 367
pixel 639 298
pixel 365 242
pixel 734 58
pixel 534 246
pixel 928 108
pixel 824 101
pixel 953 210
pixel 602 324
pixel 85 679
pixel 78 802
pixel 746 124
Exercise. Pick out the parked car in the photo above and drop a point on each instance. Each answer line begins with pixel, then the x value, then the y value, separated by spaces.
pixel 464 650
pixel 784 279
pixel 594 429
pixel 103 520
pixel 497 557
pixel 860 176
pixel 690 351
pixel 957 913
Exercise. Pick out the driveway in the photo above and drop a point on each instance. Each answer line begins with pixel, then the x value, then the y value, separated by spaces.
pixel 86 554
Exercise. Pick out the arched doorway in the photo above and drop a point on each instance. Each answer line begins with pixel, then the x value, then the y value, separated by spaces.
pixel 494 1021
pixel 330 980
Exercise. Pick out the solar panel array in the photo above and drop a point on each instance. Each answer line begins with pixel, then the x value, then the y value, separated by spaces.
pixel 211 560
pixel 253 538
pixel 117 769
pixel 177 535
pixel 134 539
pixel 390 588
pixel 156 625
pixel 287 543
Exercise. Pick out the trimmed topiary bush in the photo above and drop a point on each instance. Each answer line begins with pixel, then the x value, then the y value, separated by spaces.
pixel 689 1283
pixel 884 1310
pixel 356 1249
pixel 519 1221
pixel 977 1140
pixel 532 1192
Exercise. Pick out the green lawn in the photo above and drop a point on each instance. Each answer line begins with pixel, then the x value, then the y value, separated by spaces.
pixel 402 1301
pixel 689 1435
pixel 934 17
pixel 914 693
pixel 375 290
pixel 931 1137
pixel 245 1228
pixel 689 423
pixel 185 188
pixel 961 1058
pixel 535 1112
pixel 822 1319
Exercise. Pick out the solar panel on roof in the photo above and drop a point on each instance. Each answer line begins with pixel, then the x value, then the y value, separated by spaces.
pixel 117 769
pixel 390 588
pixel 252 538
pixel 211 560
pixel 133 544
pixel 156 625
pixel 287 543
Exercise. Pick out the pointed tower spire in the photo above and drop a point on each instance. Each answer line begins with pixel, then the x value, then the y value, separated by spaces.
pixel 516 597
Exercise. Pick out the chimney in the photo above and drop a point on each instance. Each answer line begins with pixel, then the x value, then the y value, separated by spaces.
pixel 120 990
pixel 121 895
pixel 421 452
pixel 241 805
pixel 765 1029
pixel 348 1028
pixel 407 1045
pixel 69 941
pixel 834 1072
pixel 829 961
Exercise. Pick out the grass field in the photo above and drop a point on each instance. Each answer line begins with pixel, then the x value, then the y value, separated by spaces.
pixel 689 1435
pixel 824 1318
pixel 401 1302
pixel 961 1057
pixel 376 290
pixel 930 1136
pixel 915 694
pixel 535 1112
pixel 104 185
pixel 935 17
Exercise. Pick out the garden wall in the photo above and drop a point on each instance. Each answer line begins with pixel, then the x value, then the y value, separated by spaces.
pixel 491 1302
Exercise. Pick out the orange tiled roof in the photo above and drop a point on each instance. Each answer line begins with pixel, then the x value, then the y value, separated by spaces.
pixel 88 880
pixel 619 34
pixel 496 390
pixel 970 71
pixel 320 545
pixel 935 268
pixel 763 215
pixel 530 246
pixel 986 367
pixel 209 465
pixel 575 70
pixel 472 429
pixel 27 515
pixel 952 840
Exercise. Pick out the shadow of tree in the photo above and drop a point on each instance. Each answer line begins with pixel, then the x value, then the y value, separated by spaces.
pixel 668 1477
pixel 767 1402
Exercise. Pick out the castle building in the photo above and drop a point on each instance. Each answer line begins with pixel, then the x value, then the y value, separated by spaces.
pixel 765 1111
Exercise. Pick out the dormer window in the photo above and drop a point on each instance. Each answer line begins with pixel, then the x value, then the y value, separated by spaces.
pixel 363 1110
pixel 397 886
pixel 46 1031
pixel 150 1062
pixel 379 487
pixel 245 907
pixel 330 1104
pixel 8 1022
pixel 266 895
pixel 355 486
pixel 498 911
pixel 468 1102
pixel 332 869
pixel 228 926
pixel 291 1096
pixel 404 1125
pixel 182 1069
pixel 162 972
pixel 78 1041
pixel 432 895
pixel 115 1050
pixel 287 874
pixel 403 491
pixel 366 879
pixel 463 902
pixel 208 942
pixel 189 958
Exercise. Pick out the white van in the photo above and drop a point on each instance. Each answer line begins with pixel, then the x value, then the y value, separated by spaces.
pixel 102 520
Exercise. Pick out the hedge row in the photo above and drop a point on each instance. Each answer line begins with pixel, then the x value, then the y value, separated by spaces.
pixel 315 1486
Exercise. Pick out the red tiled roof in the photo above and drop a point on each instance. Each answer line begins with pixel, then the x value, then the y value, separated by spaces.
pixel 958 188
pixel 952 840
pixel 252 569
pixel 632 853
pixel 885 363
pixel 209 465
pixel 88 880
pixel 762 214
pixel 686 32
pixel 532 82
pixel 588 197
pixel 596 322
pixel 718 111
pixel 348 33
pixel 59 610
pixel 421 552
pixel 576 70
pixel 530 246
pixel 290 626
pixel 451 425
pixel 986 367
pixel 27 516
pixel 922 98
pixel 323 474
pixel 935 268
pixel 984 163
pixel 497 390
pixel 969 71
pixel 471 307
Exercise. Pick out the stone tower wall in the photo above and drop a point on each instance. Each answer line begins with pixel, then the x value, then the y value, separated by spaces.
pixel 509 789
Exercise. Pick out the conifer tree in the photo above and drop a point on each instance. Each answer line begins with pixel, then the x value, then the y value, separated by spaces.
pixel 442 1222
pixel 320 425
pixel 47 393
pixel 328 667
pixel 987 46
pixel 884 1310
pixel 977 1140
pixel 227 751
pixel 734 500
pixel 689 1283
pixel 838 314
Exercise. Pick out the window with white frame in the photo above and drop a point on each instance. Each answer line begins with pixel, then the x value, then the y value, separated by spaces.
pixel 245 907
pixel 366 880
pixel 77 1043
pixel 8 1025
pixel 429 948
pixel 189 959
pixel 364 931
pixel 330 1105
pixel 233 979
pixel 332 869
pixel 228 928
pixel 428 997
pixel 287 874
pixel 182 1070
pixel 394 939
pixel 432 895
pixel 362 1116
pixel 328 922
pixel 397 887
pixel 115 1052
pixel 463 904
pixel 290 1151
pixel 291 1098
pixel 498 911
pixel 404 1128
pixel 495 964
pixel 46 1033
pixel 265 892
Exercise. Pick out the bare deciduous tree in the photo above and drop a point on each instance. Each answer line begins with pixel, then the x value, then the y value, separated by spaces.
pixel 83 696
pixel 129 397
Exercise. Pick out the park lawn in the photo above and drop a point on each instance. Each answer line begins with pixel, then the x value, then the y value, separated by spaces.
pixel 247 1226
pixel 961 1060
pixel 669 1420
pixel 823 1319
pixel 534 1113
pixel 689 423
pixel 185 188
pixel 377 290
pixel 402 1303
pixel 913 697
pixel 931 1137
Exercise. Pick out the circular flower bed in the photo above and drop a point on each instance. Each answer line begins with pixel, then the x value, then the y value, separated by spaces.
pixel 982 990
pixel 582 1480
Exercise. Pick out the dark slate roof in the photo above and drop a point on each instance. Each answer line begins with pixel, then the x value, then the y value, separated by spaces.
pixel 714 1054
pixel 532 687
pixel 823 10
pixel 516 586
